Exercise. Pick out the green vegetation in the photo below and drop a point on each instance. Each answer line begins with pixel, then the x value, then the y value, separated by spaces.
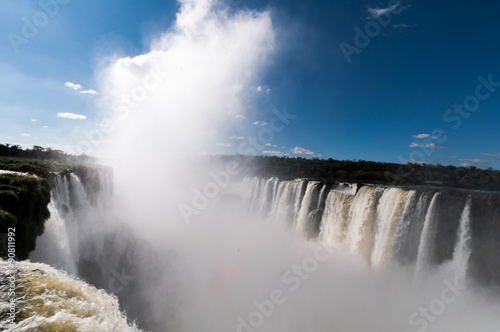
pixel 361 171
pixel 24 199
pixel 23 205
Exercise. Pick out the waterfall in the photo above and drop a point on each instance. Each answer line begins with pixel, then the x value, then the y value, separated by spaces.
pixel 83 240
pixel 335 218
pixel 360 235
pixel 288 202
pixel 306 207
pixel 462 249
pixel 389 214
pixel 428 238
pixel 385 225
pixel 408 236
pixel 53 246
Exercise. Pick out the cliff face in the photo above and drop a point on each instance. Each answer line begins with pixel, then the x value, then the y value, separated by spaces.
pixel 451 205
pixel 485 243
pixel 24 200
pixel 23 211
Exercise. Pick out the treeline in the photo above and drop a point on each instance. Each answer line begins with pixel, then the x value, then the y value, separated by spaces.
pixel 362 171
pixel 38 152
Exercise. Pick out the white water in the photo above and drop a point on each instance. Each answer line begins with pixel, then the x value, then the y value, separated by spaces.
pixel 389 214
pixel 50 301
pixel 336 218
pixel 306 207
pixel 16 173
pixel 462 249
pixel 428 238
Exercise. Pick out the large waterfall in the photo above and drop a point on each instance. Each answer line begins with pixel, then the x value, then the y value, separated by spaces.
pixel 343 257
pixel 385 225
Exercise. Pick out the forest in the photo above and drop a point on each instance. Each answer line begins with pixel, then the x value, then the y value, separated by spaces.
pixel 370 172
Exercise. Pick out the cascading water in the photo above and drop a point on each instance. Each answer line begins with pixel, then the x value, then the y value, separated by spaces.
pixel 462 249
pixel 335 218
pixel 49 300
pixel 361 228
pixel 306 207
pixel 390 212
pixel 410 230
pixel 82 238
pixel 384 225
pixel 426 246
pixel 377 223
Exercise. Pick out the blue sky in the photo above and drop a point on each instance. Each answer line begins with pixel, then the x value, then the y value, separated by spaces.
pixel 384 81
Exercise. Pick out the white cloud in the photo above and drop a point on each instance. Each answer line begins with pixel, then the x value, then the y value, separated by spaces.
pixel 90 92
pixel 45 127
pixel 274 153
pixel 73 116
pixel 492 155
pixel 260 123
pixel 424 136
pixel 224 145
pixel 304 152
pixel 34 120
pixel 426 146
pixel 376 12
pixel 26 135
pixel 405 26
pixel 263 89
pixel 472 161
pixel 73 86
pixel 77 87
pixel 240 138
pixel 239 116
pixel 421 161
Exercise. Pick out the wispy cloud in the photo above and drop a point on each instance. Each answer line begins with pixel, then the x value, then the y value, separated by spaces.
pixel 73 116
pixel 34 120
pixel 240 138
pixel 376 12
pixel 269 144
pixel 426 146
pixel 405 26
pixel 26 135
pixel 78 87
pixel 304 152
pixel 424 136
pixel 224 145
pixel 274 153
pixel 73 86
pixel 260 123
pixel 491 155
pixel 471 162
pixel 263 89
pixel 421 161
pixel 90 92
